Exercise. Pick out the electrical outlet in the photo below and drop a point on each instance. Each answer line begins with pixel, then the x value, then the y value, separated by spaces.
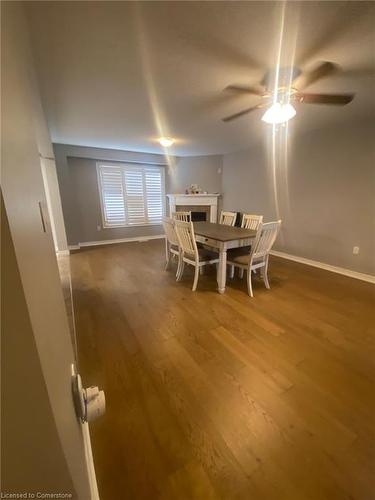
pixel 355 250
pixel 98 227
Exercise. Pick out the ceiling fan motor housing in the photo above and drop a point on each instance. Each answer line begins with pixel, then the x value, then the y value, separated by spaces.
pixel 282 77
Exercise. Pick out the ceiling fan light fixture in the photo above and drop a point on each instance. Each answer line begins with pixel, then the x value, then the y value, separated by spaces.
pixel 166 142
pixel 279 113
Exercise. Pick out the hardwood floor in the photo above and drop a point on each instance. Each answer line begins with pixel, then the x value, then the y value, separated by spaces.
pixel 221 396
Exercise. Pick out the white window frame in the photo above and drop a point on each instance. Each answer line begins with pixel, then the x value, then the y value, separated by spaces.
pixel 135 166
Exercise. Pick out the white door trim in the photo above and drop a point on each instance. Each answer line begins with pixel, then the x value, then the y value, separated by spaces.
pixel 90 462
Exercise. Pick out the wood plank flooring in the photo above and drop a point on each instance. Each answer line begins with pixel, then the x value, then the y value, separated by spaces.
pixel 221 396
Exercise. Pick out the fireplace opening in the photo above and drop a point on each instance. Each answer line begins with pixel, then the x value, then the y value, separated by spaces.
pixel 198 212
pixel 198 216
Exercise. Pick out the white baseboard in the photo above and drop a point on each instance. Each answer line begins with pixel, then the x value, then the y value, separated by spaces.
pixel 112 242
pixel 62 252
pixel 327 267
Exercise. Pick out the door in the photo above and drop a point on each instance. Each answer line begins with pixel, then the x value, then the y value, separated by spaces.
pixel 31 235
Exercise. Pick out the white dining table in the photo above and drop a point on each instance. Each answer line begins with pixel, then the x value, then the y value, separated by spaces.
pixel 222 238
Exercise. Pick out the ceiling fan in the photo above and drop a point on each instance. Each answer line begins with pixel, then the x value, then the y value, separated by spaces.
pixel 279 89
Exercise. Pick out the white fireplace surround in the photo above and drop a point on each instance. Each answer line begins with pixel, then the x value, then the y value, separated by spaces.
pixel 191 200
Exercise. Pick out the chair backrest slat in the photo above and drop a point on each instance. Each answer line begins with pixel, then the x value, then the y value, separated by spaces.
pixel 228 218
pixel 186 237
pixel 184 216
pixel 251 221
pixel 170 231
pixel 266 239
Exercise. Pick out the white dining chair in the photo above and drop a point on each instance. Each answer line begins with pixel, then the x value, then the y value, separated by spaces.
pixel 172 248
pixel 228 218
pixel 184 216
pixel 190 253
pixel 251 221
pixel 248 222
pixel 259 254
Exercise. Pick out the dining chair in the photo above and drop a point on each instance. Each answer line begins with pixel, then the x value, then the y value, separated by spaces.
pixel 251 221
pixel 190 253
pixel 248 222
pixel 184 216
pixel 258 256
pixel 228 218
pixel 172 248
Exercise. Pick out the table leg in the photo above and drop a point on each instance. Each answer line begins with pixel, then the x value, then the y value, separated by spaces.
pixel 222 271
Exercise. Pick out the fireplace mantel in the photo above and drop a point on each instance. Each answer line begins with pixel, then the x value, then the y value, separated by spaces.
pixel 191 200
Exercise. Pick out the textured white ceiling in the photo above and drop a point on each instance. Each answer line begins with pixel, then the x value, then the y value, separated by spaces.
pixel 119 74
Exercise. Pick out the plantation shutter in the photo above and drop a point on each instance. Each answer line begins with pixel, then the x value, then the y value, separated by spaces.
pixel 135 196
pixel 131 195
pixel 111 185
pixel 154 195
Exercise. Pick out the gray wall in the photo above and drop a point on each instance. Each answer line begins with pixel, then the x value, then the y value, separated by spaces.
pixel 322 188
pixel 206 171
pixel 324 193
pixel 76 168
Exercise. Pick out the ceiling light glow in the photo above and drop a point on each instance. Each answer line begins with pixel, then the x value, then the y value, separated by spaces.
pixel 279 113
pixel 166 142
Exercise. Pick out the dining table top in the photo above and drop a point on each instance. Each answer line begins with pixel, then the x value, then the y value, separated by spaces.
pixel 221 232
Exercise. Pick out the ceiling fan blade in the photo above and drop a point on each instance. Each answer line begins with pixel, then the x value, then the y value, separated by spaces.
pixel 336 99
pixel 321 71
pixel 245 89
pixel 237 115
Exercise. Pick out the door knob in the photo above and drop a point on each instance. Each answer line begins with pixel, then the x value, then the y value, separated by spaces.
pixel 89 403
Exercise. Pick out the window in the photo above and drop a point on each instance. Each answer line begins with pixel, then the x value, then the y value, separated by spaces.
pixel 131 194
